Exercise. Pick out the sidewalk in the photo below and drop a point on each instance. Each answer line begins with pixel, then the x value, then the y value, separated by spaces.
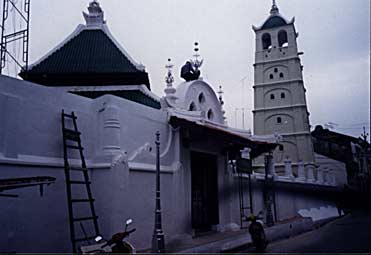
pixel 229 241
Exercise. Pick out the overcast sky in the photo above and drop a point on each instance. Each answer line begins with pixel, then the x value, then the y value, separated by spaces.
pixel 334 36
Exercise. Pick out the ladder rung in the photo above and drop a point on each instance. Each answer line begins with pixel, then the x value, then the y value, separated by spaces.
pixel 71 131
pixel 81 200
pixel 78 168
pixel 71 134
pixel 69 116
pixel 84 239
pixel 74 147
pixel 85 218
pixel 80 182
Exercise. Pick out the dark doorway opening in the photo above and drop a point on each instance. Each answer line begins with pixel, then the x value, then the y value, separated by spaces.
pixel 205 208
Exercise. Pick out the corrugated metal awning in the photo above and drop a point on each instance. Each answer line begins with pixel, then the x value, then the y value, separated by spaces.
pixel 230 139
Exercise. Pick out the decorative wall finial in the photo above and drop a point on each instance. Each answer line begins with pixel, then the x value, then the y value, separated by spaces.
pixel 197 63
pixel 169 79
pixel 274 9
pixel 220 92
pixel 95 15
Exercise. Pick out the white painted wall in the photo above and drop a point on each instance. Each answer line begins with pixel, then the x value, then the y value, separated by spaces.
pixel 118 136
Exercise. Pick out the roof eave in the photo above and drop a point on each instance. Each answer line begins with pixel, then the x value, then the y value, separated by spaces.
pixel 259 28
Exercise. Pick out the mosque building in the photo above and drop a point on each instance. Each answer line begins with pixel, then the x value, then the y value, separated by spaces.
pixel 91 82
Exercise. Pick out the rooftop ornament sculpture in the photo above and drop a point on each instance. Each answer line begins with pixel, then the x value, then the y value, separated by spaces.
pixel 191 70
pixel 274 9
pixel 95 15
pixel 221 92
pixel 169 79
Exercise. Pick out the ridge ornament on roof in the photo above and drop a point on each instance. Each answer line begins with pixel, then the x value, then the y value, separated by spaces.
pixel 95 15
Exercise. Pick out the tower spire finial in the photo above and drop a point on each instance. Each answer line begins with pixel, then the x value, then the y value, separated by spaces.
pixel 274 9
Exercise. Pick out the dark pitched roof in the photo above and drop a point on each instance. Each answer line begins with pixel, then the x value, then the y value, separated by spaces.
pixel 132 95
pixel 89 58
pixel 325 134
pixel 274 21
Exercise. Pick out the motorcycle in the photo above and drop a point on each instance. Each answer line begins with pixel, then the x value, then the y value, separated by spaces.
pixel 257 233
pixel 115 245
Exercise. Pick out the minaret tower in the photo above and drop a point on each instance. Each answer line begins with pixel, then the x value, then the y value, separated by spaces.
pixel 279 95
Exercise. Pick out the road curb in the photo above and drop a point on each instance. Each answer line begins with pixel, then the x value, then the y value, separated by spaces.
pixel 273 233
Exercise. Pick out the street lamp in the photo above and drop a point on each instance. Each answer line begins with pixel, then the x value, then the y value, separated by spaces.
pixel 268 189
pixel 158 240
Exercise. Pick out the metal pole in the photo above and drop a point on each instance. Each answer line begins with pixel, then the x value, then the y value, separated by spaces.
pixel 267 191
pixel 25 51
pixel 158 240
pixel 235 117
pixel 250 195
pixel 243 118
pixel 2 44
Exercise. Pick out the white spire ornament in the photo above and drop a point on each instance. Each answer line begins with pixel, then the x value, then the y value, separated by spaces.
pixel 196 63
pixel 169 79
pixel 95 15
pixel 274 9
pixel 220 92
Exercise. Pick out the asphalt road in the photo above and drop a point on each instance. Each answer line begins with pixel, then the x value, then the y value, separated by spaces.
pixel 349 234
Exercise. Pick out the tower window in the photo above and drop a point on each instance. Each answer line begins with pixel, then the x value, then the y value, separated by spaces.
pixel 275 70
pixel 266 41
pixel 271 76
pixel 272 96
pixel 280 147
pixel 281 75
pixel 283 95
pixel 279 120
pixel 282 39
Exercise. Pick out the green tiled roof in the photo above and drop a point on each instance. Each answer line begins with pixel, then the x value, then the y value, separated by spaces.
pixel 89 58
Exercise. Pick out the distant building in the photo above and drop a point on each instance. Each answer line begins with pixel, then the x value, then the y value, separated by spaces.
pixel 280 106
pixel 354 152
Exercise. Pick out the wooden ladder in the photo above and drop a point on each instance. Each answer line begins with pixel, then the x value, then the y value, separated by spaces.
pixel 72 142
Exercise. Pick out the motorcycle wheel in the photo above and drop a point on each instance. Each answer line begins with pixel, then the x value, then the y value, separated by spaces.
pixel 123 247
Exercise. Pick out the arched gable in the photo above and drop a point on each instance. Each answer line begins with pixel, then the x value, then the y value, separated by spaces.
pixel 199 96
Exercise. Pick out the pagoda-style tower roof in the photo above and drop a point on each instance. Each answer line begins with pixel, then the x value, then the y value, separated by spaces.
pixel 90 56
pixel 275 19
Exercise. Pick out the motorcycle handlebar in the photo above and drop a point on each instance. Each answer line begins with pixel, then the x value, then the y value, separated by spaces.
pixel 131 231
